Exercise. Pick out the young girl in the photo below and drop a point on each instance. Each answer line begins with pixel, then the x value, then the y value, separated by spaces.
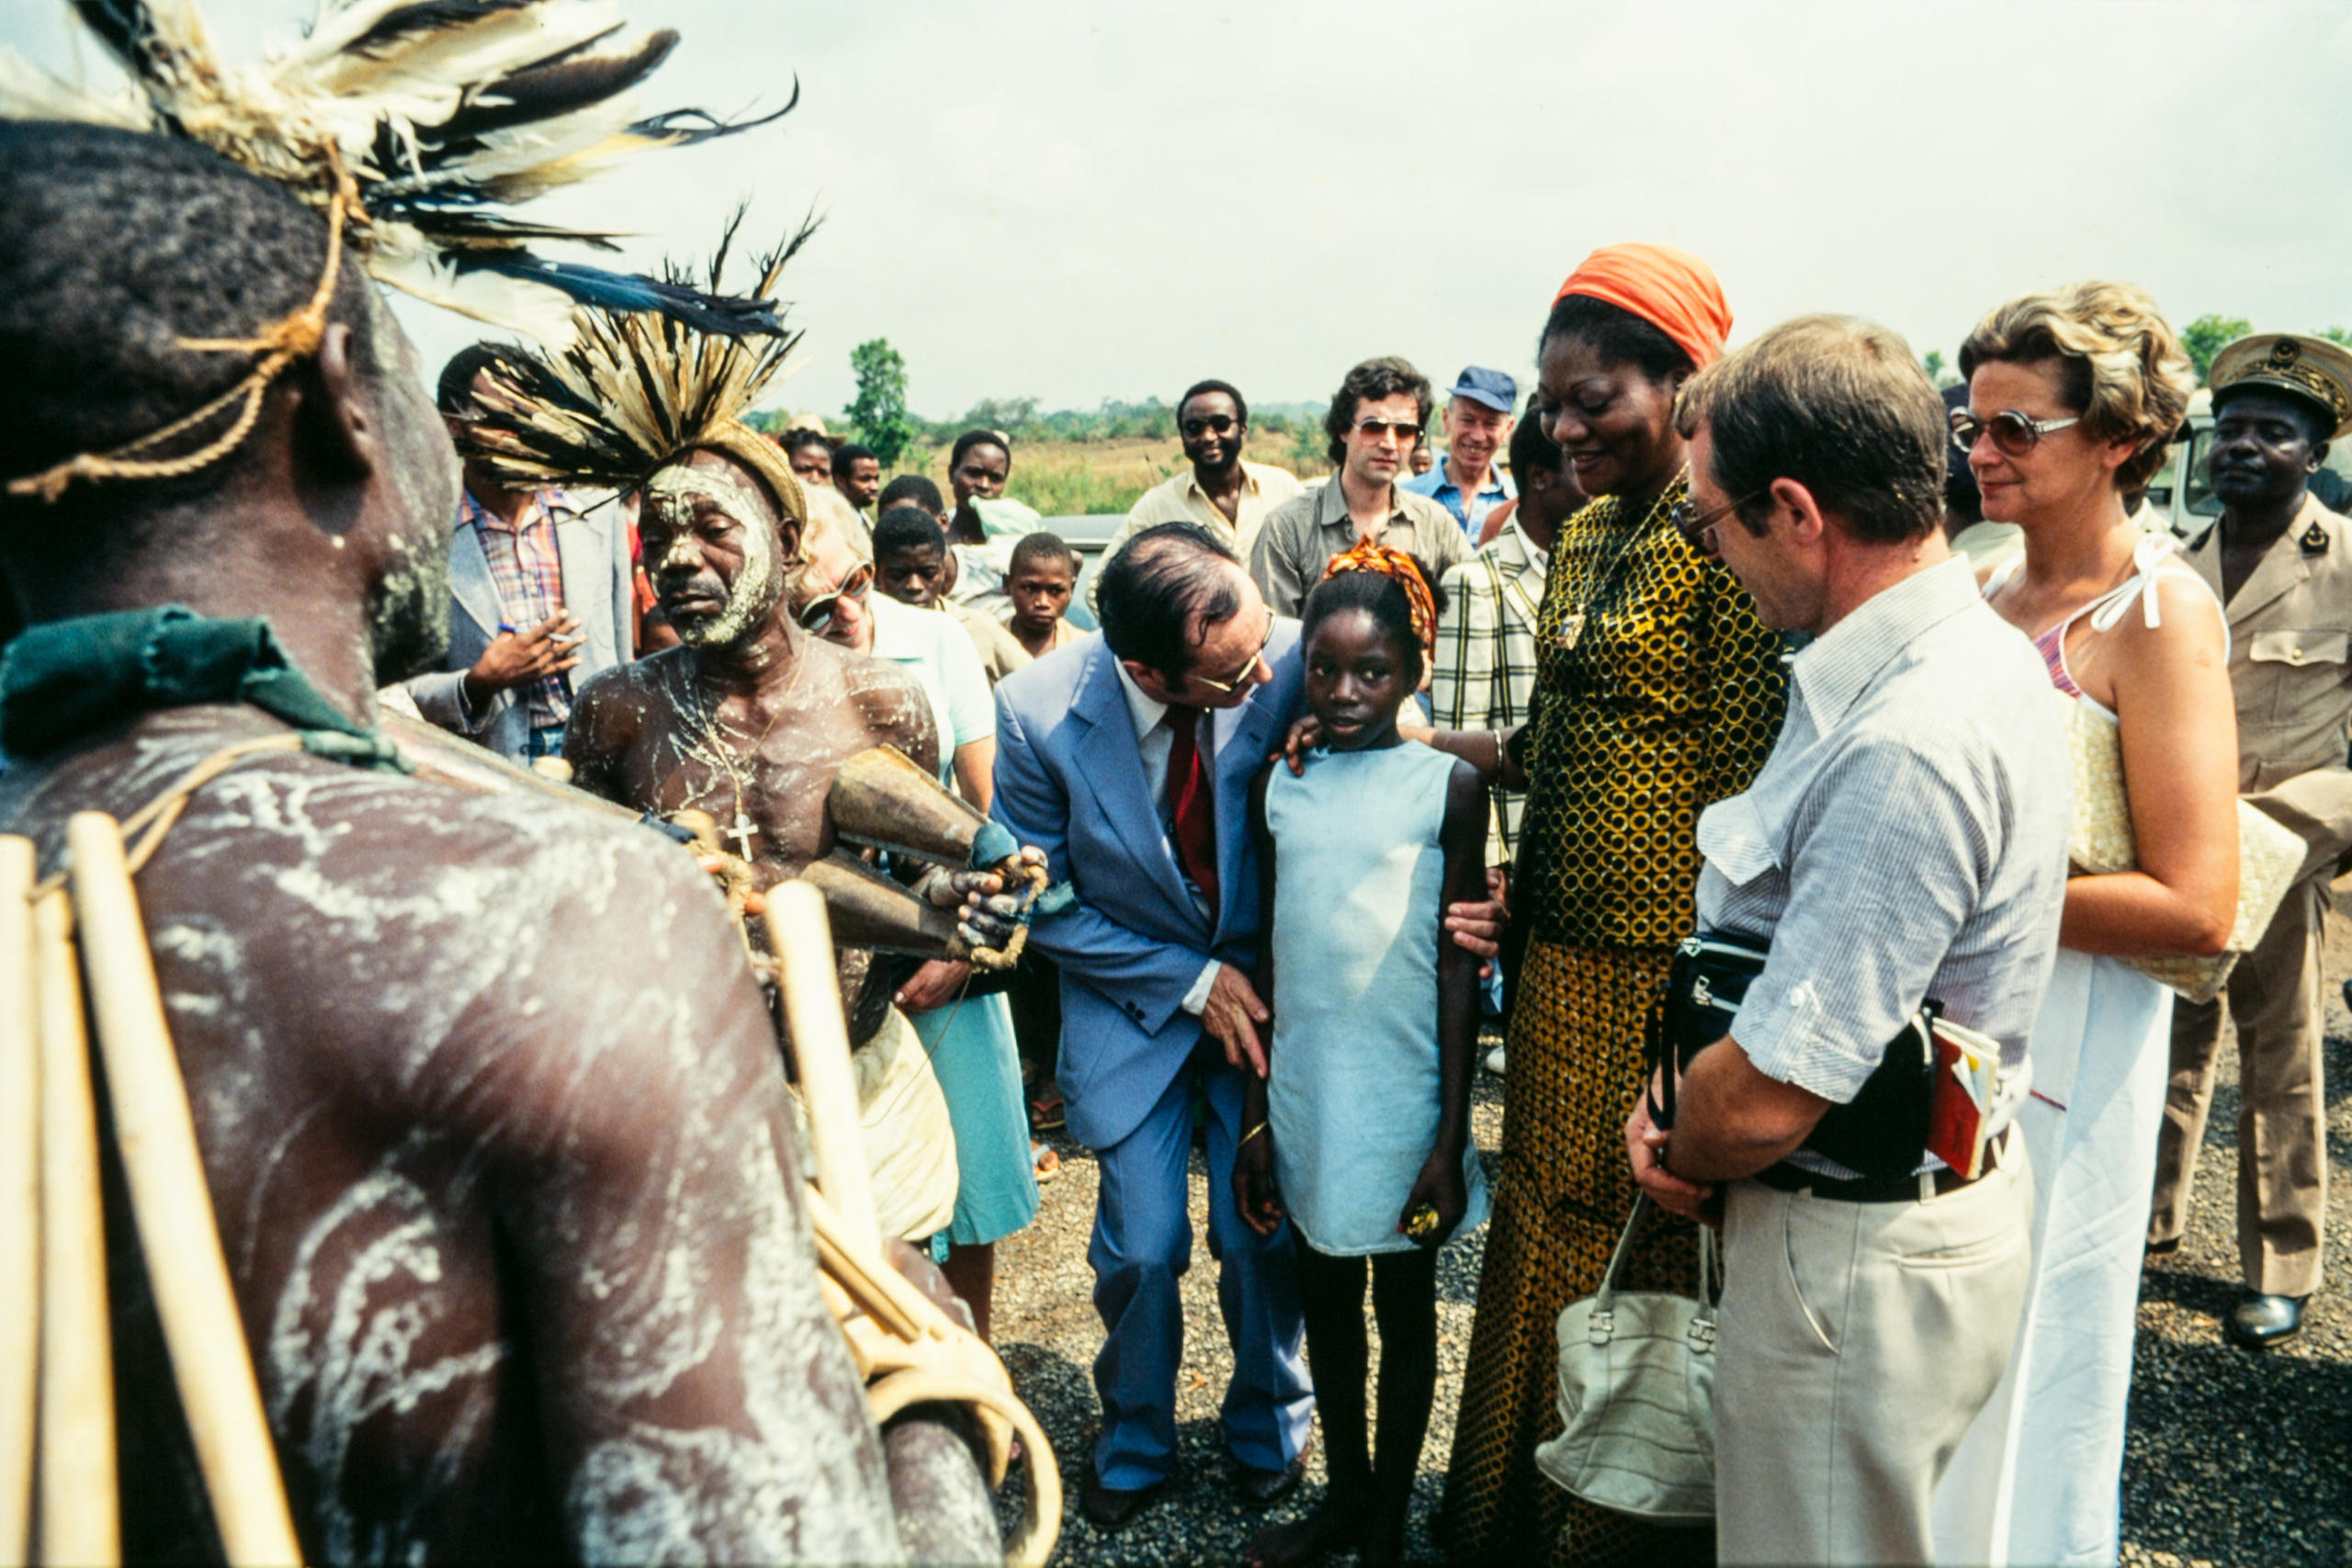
pixel 1361 1131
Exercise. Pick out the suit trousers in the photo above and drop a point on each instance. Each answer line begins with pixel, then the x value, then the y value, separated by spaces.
pixel 1143 1244
pixel 1857 1341
pixel 2276 1000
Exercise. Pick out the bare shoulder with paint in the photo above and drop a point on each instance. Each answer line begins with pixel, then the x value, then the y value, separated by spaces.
pixel 893 702
pixel 502 1168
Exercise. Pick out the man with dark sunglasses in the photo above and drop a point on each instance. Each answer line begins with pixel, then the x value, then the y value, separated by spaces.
pixel 1219 491
pixel 1378 415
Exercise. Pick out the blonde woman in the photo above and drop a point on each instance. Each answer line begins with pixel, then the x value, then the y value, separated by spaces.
pixel 2072 398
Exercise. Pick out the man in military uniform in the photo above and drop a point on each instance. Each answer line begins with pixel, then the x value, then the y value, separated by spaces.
pixel 2282 564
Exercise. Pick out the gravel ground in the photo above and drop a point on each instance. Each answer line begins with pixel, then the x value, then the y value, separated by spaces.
pixel 2232 1457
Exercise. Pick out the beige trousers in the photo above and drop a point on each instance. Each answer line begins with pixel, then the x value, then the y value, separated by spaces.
pixel 2275 1000
pixel 1856 1342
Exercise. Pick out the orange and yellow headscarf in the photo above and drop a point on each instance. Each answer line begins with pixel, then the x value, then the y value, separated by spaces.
pixel 1371 555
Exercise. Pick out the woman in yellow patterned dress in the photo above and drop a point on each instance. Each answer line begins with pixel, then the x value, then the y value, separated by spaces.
pixel 1658 693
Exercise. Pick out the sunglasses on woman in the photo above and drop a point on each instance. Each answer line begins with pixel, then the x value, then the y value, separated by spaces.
pixel 817 615
pixel 2014 433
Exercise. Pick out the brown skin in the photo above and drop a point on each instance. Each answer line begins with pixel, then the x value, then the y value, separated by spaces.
pixel 452 1121
pixel 790 707
pixel 1040 591
pixel 2262 462
pixel 811 462
pixel 912 576
pixel 520 655
pixel 1358 677
pixel 1614 424
pixel 862 483
pixel 1216 454
pixel 981 474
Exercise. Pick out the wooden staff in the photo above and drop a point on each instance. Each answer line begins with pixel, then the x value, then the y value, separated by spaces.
pixel 79 1524
pixel 19 1197
pixel 173 1205
pixel 803 940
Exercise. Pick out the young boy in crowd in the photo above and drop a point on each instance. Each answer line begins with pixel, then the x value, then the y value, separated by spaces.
pixel 910 566
pixel 1040 580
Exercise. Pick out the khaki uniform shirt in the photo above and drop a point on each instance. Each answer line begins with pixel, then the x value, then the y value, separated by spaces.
pixel 2290 668
pixel 1302 534
pixel 1181 499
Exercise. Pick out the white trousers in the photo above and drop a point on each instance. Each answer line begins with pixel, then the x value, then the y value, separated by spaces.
pixel 1857 1343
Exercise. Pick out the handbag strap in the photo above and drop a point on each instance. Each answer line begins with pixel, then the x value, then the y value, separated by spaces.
pixel 1605 1298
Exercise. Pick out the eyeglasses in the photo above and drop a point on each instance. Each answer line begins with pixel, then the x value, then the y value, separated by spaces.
pixel 2014 434
pixel 1698 528
pixel 1404 431
pixel 1220 423
pixel 817 615
pixel 1224 687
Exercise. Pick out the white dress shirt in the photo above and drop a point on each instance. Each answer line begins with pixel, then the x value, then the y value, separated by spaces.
pixel 1156 740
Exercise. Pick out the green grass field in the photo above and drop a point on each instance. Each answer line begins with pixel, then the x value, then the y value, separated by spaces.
pixel 1071 478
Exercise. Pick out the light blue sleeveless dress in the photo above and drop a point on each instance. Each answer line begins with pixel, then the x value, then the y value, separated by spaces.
pixel 1352 1096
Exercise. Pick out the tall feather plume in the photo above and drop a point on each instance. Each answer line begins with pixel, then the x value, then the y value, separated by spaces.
pixel 635 387
pixel 437 110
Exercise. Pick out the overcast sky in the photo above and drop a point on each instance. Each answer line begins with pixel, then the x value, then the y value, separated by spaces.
pixel 1080 200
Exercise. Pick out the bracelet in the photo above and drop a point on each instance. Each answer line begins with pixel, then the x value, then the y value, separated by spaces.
pixel 1248 1135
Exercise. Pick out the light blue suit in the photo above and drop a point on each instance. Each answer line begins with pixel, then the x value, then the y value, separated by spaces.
pixel 598 580
pixel 1070 779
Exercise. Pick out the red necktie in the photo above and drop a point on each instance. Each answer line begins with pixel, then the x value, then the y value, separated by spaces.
pixel 1193 805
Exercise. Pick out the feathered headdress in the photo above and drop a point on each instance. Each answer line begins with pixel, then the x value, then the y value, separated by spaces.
pixel 635 392
pixel 430 115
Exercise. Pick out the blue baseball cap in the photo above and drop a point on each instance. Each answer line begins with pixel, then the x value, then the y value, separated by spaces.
pixel 1492 387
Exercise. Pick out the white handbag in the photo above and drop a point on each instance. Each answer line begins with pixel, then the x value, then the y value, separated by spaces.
pixel 2269 854
pixel 1637 1375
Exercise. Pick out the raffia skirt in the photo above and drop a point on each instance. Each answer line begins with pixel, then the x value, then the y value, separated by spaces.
pixel 1560 1201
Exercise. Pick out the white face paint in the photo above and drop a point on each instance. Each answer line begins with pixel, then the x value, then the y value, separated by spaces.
pixel 670 494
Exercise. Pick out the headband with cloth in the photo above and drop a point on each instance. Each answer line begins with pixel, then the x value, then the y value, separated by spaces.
pixel 1673 290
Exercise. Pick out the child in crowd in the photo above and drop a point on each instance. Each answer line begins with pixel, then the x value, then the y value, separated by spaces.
pixel 1360 1133
pixel 1040 580
pixel 911 565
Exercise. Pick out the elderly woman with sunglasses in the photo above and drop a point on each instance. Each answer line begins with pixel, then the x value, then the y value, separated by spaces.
pixel 1658 693
pixel 2072 396
pixel 970 1039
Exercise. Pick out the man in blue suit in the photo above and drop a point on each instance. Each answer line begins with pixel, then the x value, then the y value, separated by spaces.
pixel 541 602
pixel 1127 758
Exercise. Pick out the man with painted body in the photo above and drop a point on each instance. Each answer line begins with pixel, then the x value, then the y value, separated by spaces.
pixel 478 1084
pixel 752 716
pixel 2281 564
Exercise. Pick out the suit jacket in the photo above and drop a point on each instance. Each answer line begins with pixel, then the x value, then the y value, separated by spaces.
pixel 2291 669
pixel 592 547
pixel 1070 779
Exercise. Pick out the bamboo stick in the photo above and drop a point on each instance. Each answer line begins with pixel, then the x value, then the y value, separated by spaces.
pixel 803 940
pixel 173 1204
pixel 19 1197
pixel 79 1522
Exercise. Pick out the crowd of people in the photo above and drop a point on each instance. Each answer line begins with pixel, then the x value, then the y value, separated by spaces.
pixel 1867 905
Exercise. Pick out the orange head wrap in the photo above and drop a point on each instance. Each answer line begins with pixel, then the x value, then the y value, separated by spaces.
pixel 1673 290
pixel 1371 555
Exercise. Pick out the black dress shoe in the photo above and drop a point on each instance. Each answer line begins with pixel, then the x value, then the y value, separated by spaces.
pixel 1110 1509
pixel 2259 1321
pixel 1264 1488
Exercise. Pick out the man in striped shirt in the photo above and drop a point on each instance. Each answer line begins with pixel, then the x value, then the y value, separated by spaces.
pixel 542 600
pixel 1906 840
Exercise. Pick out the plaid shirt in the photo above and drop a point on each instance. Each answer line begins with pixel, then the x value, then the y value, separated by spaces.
pixel 528 574
pixel 1485 674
